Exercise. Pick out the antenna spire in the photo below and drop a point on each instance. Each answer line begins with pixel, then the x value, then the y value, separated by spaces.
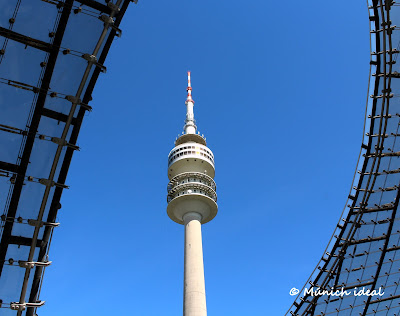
pixel 190 123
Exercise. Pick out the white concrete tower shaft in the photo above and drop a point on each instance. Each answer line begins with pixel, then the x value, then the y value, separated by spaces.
pixel 192 202
pixel 194 300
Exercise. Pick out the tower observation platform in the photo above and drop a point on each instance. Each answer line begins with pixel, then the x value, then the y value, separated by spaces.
pixel 192 201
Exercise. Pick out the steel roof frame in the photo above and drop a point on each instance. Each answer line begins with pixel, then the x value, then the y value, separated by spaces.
pixel 20 169
pixel 331 266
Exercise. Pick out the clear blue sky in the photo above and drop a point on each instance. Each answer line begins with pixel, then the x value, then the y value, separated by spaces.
pixel 280 90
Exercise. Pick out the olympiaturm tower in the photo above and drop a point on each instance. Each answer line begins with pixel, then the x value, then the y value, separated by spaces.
pixel 192 202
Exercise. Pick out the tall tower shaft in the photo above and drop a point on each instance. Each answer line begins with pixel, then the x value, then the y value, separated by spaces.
pixel 191 202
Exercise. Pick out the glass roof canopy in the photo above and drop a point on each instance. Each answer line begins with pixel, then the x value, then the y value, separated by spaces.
pixel 51 54
pixel 364 251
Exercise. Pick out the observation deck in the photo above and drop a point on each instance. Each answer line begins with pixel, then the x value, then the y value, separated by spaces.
pixel 201 157
pixel 193 185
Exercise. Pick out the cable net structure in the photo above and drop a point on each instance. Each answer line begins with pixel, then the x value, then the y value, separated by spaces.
pixel 361 264
pixel 51 54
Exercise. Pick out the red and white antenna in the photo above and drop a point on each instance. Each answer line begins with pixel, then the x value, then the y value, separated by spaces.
pixel 190 124
pixel 189 88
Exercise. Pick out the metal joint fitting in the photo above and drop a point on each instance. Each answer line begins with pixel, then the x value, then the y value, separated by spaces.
pixel 35 223
pixel 109 21
pixel 50 183
pixel 90 58
pixel 47 182
pixel 63 142
pixel 31 264
pixel 26 264
pixel 87 107
pixel 106 19
pixel 73 99
pixel 17 306
pixel 118 32
pixel 49 224
pixel 23 306
pixel 59 141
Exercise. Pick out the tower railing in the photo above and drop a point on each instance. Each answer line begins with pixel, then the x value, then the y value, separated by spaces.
pixel 191 183
pixel 188 175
